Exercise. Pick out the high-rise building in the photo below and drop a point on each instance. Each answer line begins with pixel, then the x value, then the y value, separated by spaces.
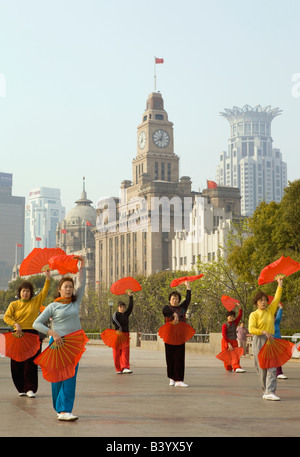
pixel 43 211
pixel 11 229
pixel 251 163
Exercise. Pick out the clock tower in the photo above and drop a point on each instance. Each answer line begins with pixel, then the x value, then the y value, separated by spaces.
pixel 136 236
pixel 155 144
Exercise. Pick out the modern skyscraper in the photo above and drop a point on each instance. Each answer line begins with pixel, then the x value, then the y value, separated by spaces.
pixel 43 211
pixel 251 163
pixel 11 229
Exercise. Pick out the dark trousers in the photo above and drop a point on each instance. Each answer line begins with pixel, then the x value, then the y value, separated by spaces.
pixel 175 358
pixel 25 374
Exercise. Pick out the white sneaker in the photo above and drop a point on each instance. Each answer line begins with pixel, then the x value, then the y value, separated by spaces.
pixel 119 372
pixel 240 370
pixel 30 394
pixel 126 370
pixel 271 397
pixel 282 376
pixel 66 417
pixel 181 384
pixel 172 382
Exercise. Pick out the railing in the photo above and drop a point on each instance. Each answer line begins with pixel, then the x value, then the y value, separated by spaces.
pixel 93 336
pixel 197 338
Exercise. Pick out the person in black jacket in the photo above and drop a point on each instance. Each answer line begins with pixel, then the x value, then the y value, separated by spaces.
pixel 175 354
pixel 121 323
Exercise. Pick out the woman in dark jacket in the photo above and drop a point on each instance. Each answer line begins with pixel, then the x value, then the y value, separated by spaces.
pixel 175 354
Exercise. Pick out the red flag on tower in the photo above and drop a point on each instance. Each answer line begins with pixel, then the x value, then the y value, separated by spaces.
pixel 88 223
pixel 63 231
pixel 211 185
pixel 157 60
pixel 19 245
pixel 37 238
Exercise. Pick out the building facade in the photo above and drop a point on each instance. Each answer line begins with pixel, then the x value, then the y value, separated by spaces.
pixel 134 232
pixel 251 163
pixel 12 211
pixel 74 234
pixel 43 212
pixel 210 222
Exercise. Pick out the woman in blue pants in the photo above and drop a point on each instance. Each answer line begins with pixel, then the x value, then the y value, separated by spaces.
pixel 64 315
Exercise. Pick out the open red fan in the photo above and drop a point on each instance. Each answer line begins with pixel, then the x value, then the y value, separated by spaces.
pixel 123 285
pixel 229 302
pixel 231 357
pixel 285 266
pixel 38 260
pixel 115 339
pixel 19 347
pixel 64 264
pixel 275 353
pixel 58 363
pixel 176 334
pixel 182 279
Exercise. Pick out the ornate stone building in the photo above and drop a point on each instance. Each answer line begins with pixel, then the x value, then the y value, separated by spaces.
pixel 134 233
pixel 75 234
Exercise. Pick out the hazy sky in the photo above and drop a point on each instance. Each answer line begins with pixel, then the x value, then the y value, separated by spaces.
pixel 75 77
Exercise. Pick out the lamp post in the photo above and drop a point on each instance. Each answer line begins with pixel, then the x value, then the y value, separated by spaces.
pixel 110 304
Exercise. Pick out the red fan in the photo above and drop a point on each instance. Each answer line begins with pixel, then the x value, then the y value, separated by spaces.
pixel 182 279
pixel 19 347
pixel 231 357
pixel 123 285
pixel 58 363
pixel 275 353
pixel 285 266
pixel 64 264
pixel 115 339
pixel 38 260
pixel 229 302
pixel 271 298
pixel 176 334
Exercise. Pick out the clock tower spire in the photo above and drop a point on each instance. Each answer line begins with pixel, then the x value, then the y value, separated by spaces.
pixel 155 145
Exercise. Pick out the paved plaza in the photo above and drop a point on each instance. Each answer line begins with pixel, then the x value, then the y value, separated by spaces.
pixel 142 404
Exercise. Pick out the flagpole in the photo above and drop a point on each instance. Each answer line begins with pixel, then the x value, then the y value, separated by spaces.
pixel 154 74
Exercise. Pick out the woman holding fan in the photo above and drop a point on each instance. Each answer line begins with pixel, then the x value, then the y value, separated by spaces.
pixel 64 314
pixel 175 353
pixel 261 325
pixel 21 315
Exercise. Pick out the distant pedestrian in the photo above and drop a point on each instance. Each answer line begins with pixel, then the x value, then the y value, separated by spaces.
pixel 277 334
pixel 242 333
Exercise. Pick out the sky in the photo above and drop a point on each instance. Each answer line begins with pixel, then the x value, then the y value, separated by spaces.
pixel 75 76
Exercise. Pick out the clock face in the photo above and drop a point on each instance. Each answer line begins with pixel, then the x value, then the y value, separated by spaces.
pixel 161 138
pixel 142 140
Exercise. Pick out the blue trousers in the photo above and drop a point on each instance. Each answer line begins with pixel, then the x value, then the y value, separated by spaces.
pixel 63 394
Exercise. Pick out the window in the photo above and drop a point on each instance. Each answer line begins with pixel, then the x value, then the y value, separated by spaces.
pixel 160 117
pixel 156 170
pixel 169 172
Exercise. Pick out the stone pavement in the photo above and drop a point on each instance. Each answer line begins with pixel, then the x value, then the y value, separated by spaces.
pixel 142 404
